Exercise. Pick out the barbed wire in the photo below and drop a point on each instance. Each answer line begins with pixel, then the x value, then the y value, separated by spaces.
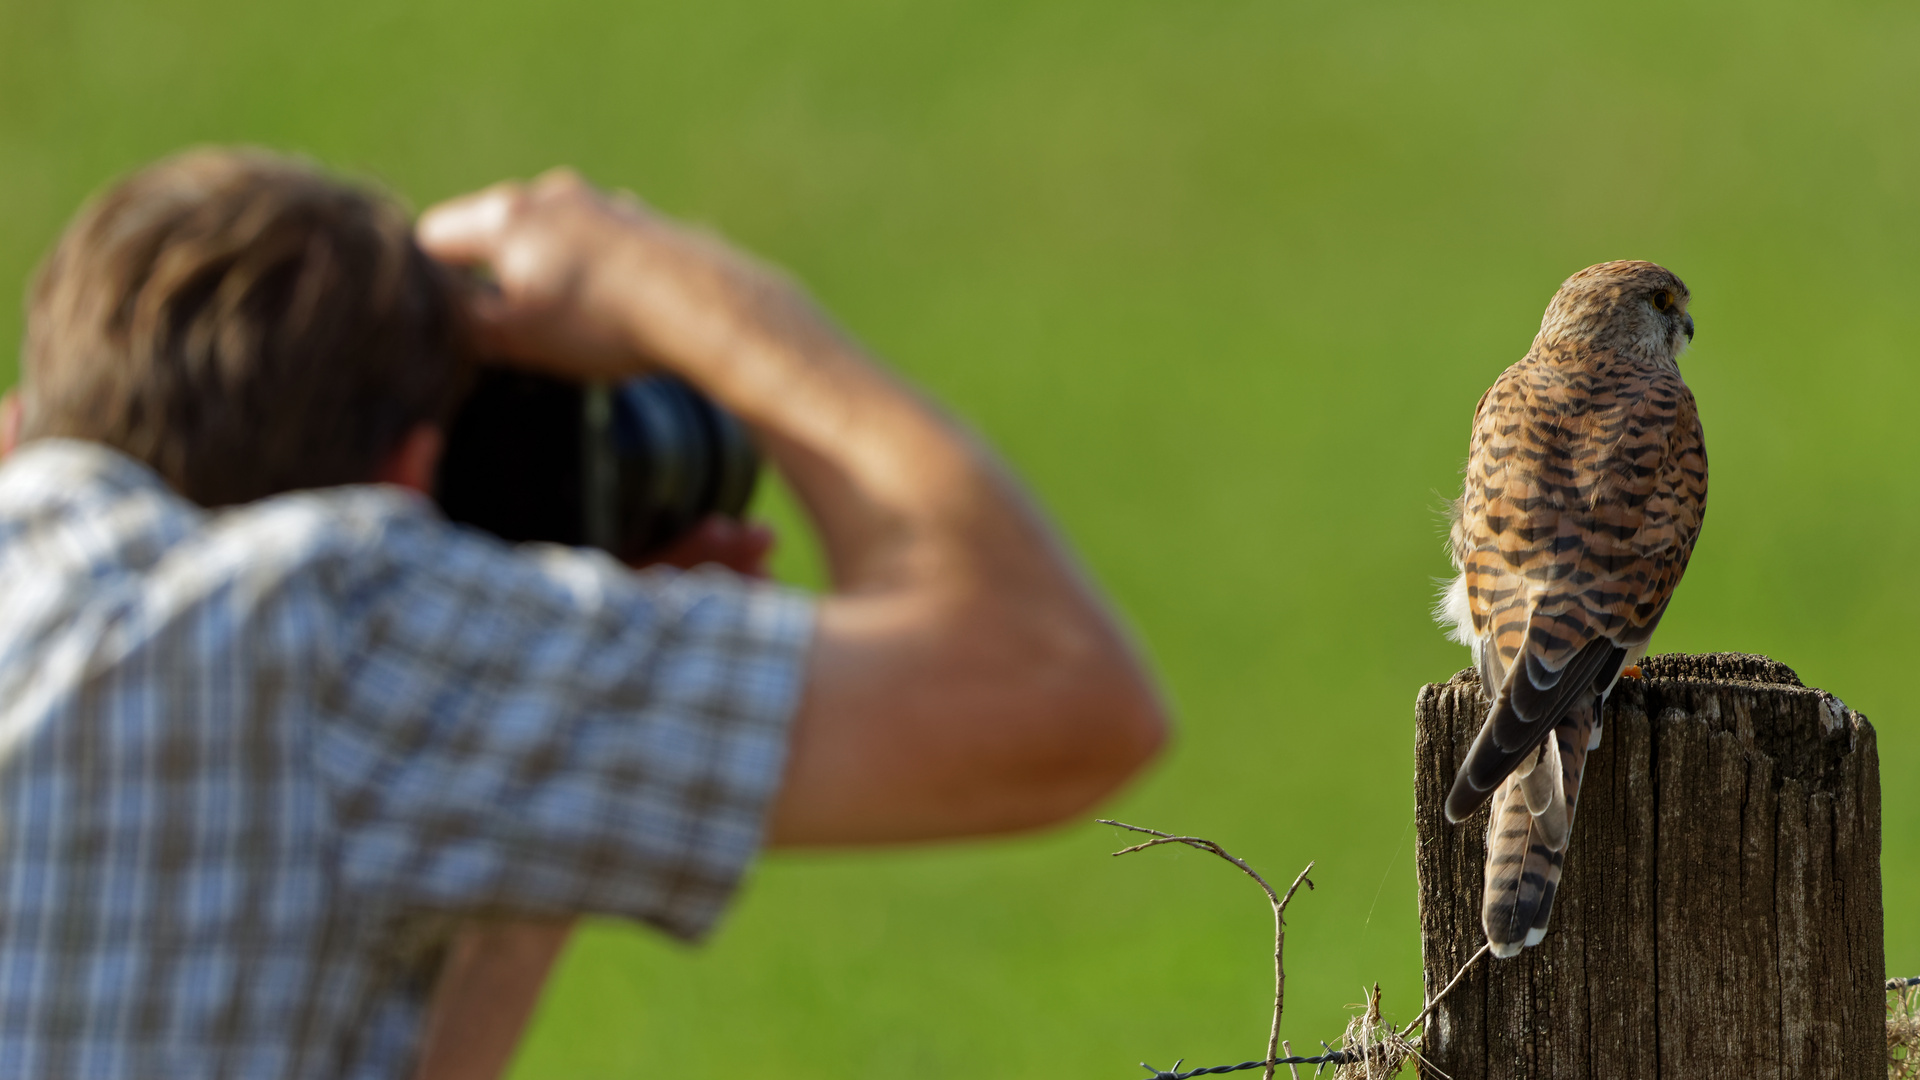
pixel 1331 1057
pixel 1902 984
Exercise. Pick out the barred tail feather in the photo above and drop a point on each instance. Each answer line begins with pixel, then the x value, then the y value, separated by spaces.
pixel 1528 833
pixel 1519 869
pixel 1540 783
pixel 1573 738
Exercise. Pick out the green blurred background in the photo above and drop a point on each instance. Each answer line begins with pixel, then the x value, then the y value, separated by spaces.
pixel 1224 281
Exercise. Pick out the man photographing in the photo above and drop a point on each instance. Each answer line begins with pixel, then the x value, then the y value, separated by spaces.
pixel 269 721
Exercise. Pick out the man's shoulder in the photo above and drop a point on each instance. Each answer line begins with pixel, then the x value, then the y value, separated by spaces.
pixel 71 509
pixel 83 526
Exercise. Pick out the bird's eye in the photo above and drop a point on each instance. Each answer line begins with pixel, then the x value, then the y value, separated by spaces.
pixel 1663 300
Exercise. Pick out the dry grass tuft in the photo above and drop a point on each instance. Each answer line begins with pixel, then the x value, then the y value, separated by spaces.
pixel 1903 1030
pixel 1384 1051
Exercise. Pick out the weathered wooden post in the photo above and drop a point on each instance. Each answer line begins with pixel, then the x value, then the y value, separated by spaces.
pixel 1720 912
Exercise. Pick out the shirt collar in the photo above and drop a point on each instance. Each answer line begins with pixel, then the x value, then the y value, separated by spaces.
pixel 60 467
pixel 54 464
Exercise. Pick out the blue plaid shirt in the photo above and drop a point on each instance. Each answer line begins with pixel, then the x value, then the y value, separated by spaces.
pixel 254 763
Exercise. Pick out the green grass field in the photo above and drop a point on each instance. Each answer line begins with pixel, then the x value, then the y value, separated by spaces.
pixel 1224 281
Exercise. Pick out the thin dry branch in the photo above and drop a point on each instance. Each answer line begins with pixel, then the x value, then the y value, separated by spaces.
pixel 1279 969
pixel 1444 991
pixel 1371 1049
pixel 1277 901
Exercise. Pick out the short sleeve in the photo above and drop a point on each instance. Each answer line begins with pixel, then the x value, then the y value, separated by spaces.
pixel 541 730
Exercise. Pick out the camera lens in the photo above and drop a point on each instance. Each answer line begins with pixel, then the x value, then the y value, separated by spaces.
pixel 629 468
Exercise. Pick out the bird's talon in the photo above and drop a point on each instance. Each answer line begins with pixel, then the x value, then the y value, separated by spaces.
pixel 1631 671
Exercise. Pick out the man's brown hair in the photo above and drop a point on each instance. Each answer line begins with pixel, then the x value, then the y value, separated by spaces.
pixel 242 323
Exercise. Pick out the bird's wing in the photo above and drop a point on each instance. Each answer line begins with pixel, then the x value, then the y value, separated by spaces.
pixel 1583 499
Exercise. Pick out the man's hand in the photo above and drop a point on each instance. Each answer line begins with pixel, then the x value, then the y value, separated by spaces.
pixel 740 546
pixel 548 245
pixel 598 286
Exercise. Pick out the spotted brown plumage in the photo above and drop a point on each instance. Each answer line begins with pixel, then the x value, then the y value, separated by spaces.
pixel 1585 488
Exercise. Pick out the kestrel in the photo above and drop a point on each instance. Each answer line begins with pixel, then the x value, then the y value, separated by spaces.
pixel 1586 485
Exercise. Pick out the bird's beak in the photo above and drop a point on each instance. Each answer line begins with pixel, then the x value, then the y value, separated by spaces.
pixel 1687 325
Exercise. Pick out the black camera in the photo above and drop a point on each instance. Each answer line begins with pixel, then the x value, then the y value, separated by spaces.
pixel 628 468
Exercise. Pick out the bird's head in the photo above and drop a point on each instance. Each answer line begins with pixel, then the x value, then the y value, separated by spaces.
pixel 1635 308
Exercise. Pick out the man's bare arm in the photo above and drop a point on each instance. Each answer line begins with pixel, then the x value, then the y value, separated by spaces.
pixel 965 678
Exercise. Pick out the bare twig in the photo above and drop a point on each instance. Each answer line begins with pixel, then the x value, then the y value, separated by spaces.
pixel 1278 902
pixel 1370 1049
pixel 1279 969
pixel 1444 991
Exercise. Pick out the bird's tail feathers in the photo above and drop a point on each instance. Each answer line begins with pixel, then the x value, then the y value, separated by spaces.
pixel 1528 832
pixel 1541 786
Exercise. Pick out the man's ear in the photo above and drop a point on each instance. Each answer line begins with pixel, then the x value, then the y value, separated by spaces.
pixel 413 463
pixel 10 418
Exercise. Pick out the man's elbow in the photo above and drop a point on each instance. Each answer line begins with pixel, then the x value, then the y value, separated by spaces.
pixel 1107 724
pixel 1137 723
